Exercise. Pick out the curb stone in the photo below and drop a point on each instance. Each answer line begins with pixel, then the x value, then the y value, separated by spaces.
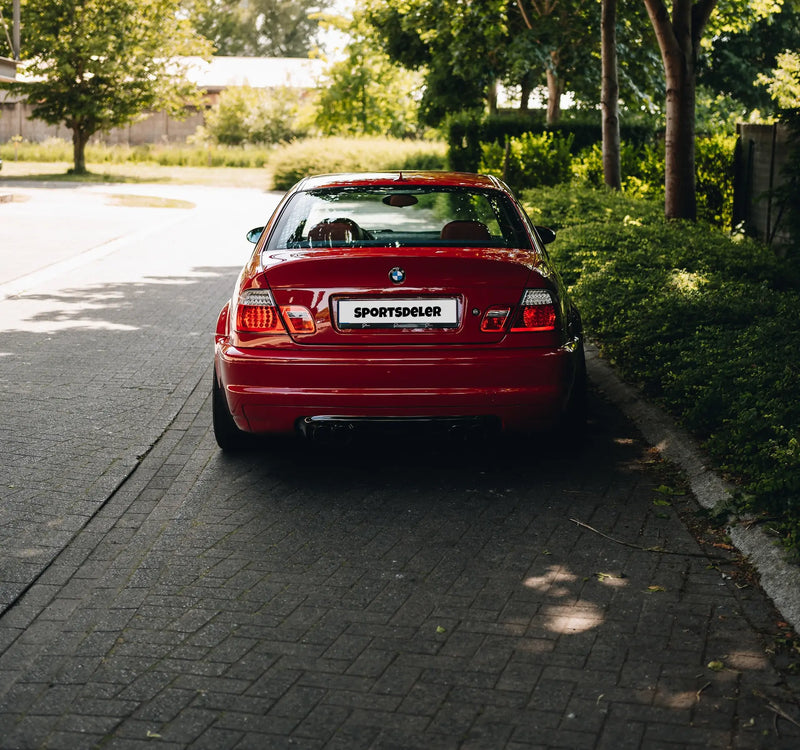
pixel 779 578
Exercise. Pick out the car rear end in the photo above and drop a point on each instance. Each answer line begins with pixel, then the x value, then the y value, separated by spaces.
pixel 404 300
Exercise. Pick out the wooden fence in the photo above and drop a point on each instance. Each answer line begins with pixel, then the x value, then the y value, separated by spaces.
pixel 762 152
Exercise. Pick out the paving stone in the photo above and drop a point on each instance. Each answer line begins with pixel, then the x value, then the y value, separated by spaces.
pixel 158 592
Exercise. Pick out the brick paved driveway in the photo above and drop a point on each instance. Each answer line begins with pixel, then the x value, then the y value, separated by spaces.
pixel 386 596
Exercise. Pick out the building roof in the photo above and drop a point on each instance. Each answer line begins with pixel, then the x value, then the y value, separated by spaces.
pixel 258 72
pixel 220 73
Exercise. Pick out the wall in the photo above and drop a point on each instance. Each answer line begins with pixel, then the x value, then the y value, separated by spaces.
pixel 157 127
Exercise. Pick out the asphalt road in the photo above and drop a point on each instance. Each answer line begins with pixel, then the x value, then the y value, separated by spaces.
pixel 156 593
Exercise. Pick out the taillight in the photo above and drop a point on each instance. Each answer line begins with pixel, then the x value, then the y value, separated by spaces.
pixel 258 313
pixel 494 319
pixel 537 311
pixel 298 319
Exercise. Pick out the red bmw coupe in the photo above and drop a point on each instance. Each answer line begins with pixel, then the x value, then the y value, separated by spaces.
pixel 417 300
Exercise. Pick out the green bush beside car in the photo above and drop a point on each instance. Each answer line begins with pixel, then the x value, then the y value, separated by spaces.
pixel 705 324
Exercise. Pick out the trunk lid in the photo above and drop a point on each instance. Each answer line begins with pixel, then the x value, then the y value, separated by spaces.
pixel 420 296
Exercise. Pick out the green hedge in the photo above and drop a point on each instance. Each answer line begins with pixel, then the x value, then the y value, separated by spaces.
pixel 530 160
pixel 706 325
pixel 526 154
pixel 291 163
pixel 466 133
pixel 643 173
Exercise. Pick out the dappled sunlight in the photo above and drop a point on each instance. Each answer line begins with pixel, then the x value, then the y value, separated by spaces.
pixel 85 310
pixel 678 700
pixel 686 282
pixel 27 553
pixel 563 586
pixel 51 314
pixel 547 583
pixel 54 326
pixel 745 659
pixel 612 580
pixel 568 620
pixel 101 307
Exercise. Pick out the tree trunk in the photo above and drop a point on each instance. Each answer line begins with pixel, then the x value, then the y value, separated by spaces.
pixel 609 96
pixel 679 40
pixel 79 140
pixel 555 87
pixel 492 98
pixel 526 84
pixel 680 193
pixel 553 97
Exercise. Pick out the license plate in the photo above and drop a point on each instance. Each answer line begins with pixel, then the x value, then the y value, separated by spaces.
pixel 440 312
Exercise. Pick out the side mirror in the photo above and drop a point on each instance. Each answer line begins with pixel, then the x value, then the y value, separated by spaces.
pixel 546 235
pixel 254 235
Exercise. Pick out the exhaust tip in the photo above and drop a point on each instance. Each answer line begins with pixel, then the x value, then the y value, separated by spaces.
pixel 327 430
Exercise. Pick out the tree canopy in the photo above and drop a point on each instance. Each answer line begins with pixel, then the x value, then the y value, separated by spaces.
pixel 458 46
pixel 464 49
pixel 366 93
pixel 736 57
pixel 98 64
pixel 259 28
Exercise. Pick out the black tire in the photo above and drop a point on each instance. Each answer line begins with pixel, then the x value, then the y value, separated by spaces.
pixel 571 431
pixel 228 436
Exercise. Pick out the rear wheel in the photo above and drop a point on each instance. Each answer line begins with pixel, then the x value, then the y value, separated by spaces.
pixel 571 431
pixel 228 436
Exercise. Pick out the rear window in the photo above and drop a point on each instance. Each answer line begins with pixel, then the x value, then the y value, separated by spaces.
pixel 399 217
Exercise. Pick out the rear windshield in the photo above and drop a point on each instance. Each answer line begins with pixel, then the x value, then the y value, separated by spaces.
pixel 399 217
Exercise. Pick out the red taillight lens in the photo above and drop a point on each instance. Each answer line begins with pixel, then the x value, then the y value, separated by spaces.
pixel 258 313
pixel 259 319
pixel 537 311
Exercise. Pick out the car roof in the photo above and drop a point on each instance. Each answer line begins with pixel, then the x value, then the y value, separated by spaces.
pixel 400 179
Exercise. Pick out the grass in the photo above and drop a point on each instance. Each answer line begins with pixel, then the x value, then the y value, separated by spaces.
pixel 248 177
pixel 147 201
pixel 273 167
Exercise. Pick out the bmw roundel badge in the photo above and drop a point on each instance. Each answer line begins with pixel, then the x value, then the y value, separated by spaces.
pixel 397 275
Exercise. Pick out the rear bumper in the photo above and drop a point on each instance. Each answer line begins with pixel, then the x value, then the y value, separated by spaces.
pixel 278 391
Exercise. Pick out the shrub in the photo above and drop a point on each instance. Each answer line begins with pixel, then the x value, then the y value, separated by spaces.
pixel 530 160
pixel 248 115
pixel 49 150
pixel 291 163
pixel 642 168
pixel 466 132
pixel 643 173
pixel 706 325
pixel 463 132
pixel 714 167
